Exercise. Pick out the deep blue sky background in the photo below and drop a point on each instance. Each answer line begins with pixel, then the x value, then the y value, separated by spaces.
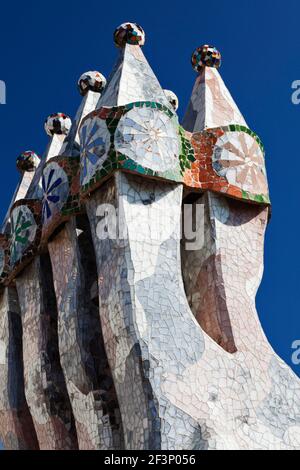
pixel 45 46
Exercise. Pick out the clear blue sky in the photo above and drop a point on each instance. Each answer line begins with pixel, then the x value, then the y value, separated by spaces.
pixel 45 46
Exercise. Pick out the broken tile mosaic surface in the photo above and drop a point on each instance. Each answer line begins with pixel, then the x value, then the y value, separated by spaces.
pixel 177 359
pixel 132 80
pixel 229 160
pixel 95 143
pixel 4 259
pixel 140 342
pixel 118 153
pixel 211 104
pixel 238 157
pixel 23 231
pixel 54 146
pixel 84 364
pixel 16 426
pixel 82 352
pixel 90 86
pixel 45 387
pixel 61 199
pixel 149 137
pixel 56 189
pixel 27 163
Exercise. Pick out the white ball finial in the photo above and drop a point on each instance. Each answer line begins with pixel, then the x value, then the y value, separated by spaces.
pixel 172 98
pixel 93 81
pixel 58 123
pixel 28 161
pixel 206 56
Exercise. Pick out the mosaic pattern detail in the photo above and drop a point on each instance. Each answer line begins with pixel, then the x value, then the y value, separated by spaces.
pixel 142 342
pixel 149 137
pixel 211 275
pixel 187 154
pixel 23 232
pixel 178 389
pixel 130 133
pixel 45 387
pixel 132 80
pixel 91 81
pixel 2 261
pixel 67 172
pixel 25 236
pixel 229 160
pixel 16 426
pixel 58 123
pixel 55 190
pixel 129 33
pixel 71 146
pixel 83 358
pixel 172 98
pixel 28 161
pixel 4 258
pixel 206 56
pixel 238 157
pixel 95 143
pixel 211 104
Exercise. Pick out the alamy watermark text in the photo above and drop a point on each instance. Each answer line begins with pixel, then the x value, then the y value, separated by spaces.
pixel 2 92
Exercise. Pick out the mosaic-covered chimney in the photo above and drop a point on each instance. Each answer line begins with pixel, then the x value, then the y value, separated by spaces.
pixel 121 327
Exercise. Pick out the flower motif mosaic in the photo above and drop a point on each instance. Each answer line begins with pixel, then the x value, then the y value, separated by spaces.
pixel 55 190
pixel 238 157
pixel 149 137
pixel 142 137
pixel 23 231
pixel 95 143
pixel 228 160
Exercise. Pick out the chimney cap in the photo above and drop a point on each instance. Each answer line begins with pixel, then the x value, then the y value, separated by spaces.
pixel 57 123
pixel 172 98
pixel 91 81
pixel 129 33
pixel 206 56
pixel 27 161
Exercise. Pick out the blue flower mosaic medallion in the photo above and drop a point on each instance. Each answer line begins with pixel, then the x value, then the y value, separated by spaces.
pixel 55 186
pixel 95 144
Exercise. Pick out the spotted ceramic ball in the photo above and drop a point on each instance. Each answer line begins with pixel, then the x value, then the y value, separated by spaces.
pixel 129 33
pixel 58 123
pixel 91 81
pixel 172 98
pixel 206 56
pixel 28 161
